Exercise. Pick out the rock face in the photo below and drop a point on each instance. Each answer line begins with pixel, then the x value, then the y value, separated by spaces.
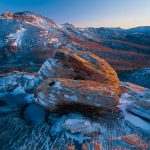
pixel 140 104
pixel 131 88
pixel 77 77
pixel 79 65
pixel 19 82
pixel 138 99
pixel 141 109
pixel 57 92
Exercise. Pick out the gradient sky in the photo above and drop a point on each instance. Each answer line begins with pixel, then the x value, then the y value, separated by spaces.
pixel 86 13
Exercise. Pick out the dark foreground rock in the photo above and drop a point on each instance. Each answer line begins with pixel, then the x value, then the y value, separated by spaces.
pixel 58 92
pixel 79 65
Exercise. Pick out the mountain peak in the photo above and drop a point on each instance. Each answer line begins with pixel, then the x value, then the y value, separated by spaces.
pixel 68 25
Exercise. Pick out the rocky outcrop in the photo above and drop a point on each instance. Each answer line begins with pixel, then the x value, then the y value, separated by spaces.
pixel 130 88
pixel 19 82
pixel 141 109
pixel 79 65
pixel 140 104
pixel 137 98
pixel 77 77
pixel 57 92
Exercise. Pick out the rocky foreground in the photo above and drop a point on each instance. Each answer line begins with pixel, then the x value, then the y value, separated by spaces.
pixel 75 101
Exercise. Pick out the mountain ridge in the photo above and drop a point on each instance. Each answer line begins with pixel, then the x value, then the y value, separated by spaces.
pixel 28 38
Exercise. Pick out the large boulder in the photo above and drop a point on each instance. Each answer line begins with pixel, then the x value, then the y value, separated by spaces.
pixel 57 92
pixel 79 65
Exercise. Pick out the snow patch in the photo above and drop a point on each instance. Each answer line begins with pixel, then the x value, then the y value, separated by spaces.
pixel 19 90
pixel 17 37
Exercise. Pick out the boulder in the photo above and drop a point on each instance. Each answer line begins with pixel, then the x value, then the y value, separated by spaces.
pixel 57 92
pixel 81 126
pixel 79 65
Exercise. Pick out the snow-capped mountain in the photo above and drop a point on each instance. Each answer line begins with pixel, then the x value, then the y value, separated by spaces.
pixel 28 39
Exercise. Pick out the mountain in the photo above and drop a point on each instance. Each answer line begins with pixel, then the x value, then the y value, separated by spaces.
pixel 28 39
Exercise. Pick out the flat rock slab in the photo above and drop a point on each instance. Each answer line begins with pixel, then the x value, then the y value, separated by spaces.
pixel 57 92
pixel 141 109
pixel 81 126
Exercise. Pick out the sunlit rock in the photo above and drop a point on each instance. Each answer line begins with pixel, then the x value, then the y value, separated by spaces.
pixel 57 92
pixel 79 65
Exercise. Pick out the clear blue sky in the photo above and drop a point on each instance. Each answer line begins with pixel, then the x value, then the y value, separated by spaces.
pixel 83 13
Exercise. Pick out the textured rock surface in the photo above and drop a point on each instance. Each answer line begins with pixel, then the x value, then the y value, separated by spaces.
pixel 19 82
pixel 141 109
pixel 81 126
pixel 140 105
pixel 138 99
pixel 79 65
pixel 134 141
pixel 130 88
pixel 57 92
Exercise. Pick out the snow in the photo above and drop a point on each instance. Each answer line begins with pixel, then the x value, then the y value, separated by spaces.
pixel 19 90
pixel 47 67
pixel 30 98
pixel 58 85
pixel 72 98
pixel 40 99
pixel 16 36
pixel 52 98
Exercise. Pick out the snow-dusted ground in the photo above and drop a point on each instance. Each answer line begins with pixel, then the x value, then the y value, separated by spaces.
pixel 28 125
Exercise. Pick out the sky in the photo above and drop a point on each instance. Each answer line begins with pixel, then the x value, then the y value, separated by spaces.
pixel 86 13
